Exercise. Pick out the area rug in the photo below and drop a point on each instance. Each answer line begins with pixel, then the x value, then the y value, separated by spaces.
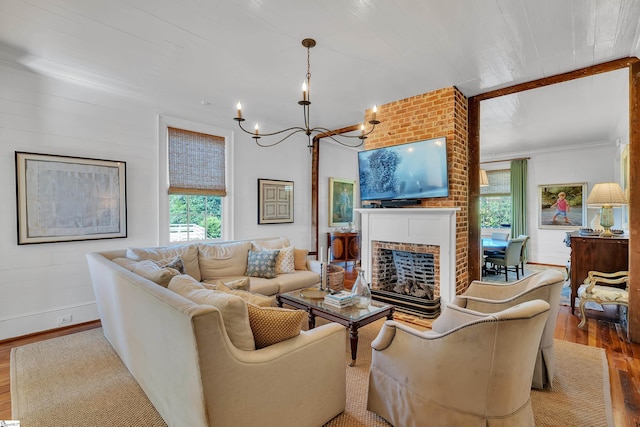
pixel 78 380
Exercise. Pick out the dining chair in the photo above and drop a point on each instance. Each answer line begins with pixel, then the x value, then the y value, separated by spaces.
pixel 496 235
pixel 523 252
pixel 511 258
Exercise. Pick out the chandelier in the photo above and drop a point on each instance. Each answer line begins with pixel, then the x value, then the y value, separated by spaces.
pixel 311 132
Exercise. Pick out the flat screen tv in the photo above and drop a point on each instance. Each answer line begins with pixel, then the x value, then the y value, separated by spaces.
pixel 415 170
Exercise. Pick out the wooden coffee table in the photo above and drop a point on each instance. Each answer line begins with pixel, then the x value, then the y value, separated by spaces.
pixel 351 317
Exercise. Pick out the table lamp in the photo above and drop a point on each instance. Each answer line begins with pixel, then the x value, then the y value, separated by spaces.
pixel 606 195
pixel 484 179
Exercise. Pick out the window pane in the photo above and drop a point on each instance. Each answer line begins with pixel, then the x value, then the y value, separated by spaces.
pixel 194 217
pixel 495 211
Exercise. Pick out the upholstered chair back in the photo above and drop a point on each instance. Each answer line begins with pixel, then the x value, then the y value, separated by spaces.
pixel 492 297
pixel 471 369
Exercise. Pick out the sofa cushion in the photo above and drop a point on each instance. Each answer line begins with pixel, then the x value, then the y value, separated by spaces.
pixel 223 260
pixel 285 261
pixel 151 271
pixel 253 298
pixel 300 259
pixel 264 286
pixel 127 263
pixel 262 263
pixel 271 325
pixel 302 279
pixel 188 253
pixel 233 308
pixel 279 243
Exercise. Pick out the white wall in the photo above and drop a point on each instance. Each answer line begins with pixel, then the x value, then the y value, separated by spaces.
pixel 49 114
pixel 590 163
pixel 336 161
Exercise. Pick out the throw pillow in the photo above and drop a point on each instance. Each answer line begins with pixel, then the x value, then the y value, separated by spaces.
pixel 240 284
pixel 175 263
pixel 188 253
pixel 279 243
pixel 233 309
pixel 151 271
pixel 285 261
pixel 252 297
pixel 271 325
pixel 262 264
pixel 300 259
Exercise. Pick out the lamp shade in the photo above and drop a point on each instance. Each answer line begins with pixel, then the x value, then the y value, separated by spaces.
pixel 484 179
pixel 606 194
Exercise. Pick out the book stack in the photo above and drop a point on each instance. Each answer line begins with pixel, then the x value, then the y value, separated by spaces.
pixel 339 299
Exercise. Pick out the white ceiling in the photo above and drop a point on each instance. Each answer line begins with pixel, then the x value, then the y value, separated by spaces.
pixel 167 52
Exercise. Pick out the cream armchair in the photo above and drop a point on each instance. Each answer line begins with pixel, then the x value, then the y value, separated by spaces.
pixel 492 297
pixel 471 369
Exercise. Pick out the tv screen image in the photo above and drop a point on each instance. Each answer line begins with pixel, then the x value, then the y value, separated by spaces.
pixel 415 170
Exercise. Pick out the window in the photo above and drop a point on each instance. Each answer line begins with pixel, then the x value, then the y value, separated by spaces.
pixel 495 200
pixel 196 185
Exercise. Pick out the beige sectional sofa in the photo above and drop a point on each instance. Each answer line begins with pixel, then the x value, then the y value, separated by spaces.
pixel 182 354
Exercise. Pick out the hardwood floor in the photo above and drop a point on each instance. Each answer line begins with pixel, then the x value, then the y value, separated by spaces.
pixel 623 357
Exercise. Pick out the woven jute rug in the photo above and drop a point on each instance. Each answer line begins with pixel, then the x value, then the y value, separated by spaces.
pixel 78 380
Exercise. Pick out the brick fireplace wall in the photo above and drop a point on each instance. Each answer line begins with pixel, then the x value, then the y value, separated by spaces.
pixel 432 115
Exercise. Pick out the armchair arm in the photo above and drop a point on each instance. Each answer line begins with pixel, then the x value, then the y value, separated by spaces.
pixel 388 332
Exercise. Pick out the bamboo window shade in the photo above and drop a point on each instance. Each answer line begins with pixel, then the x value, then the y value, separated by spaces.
pixel 499 183
pixel 196 163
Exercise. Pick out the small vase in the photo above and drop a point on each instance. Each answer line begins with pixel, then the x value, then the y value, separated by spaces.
pixel 360 291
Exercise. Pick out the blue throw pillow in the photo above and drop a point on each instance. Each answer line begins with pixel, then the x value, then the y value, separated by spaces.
pixel 262 264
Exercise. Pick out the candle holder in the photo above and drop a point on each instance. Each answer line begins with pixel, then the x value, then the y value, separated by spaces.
pixel 323 277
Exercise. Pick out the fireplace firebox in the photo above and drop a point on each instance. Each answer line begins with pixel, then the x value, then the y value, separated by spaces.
pixel 406 276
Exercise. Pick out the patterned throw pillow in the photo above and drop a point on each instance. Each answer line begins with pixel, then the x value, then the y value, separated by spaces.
pixel 262 264
pixel 271 325
pixel 285 261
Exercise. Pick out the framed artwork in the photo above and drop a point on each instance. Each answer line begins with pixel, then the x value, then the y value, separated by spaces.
pixel 562 206
pixel 340 202
pixel 62 199
pixel 624 178
pixel 275 201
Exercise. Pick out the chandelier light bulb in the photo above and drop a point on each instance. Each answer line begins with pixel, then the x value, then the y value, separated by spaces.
pixel 304 91
pixel 239 107
pixel 375 110
pixel 256 128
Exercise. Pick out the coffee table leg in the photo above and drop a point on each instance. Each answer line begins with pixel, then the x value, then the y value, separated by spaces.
pixel 353 335
pixel 312 319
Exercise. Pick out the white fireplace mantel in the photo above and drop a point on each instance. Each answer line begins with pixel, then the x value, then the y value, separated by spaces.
pixel 426 226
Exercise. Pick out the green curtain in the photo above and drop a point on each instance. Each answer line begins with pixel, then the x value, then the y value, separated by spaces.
pixel 518 197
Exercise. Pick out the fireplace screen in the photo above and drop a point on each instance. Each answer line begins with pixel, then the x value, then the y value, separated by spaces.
pixel 406 273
